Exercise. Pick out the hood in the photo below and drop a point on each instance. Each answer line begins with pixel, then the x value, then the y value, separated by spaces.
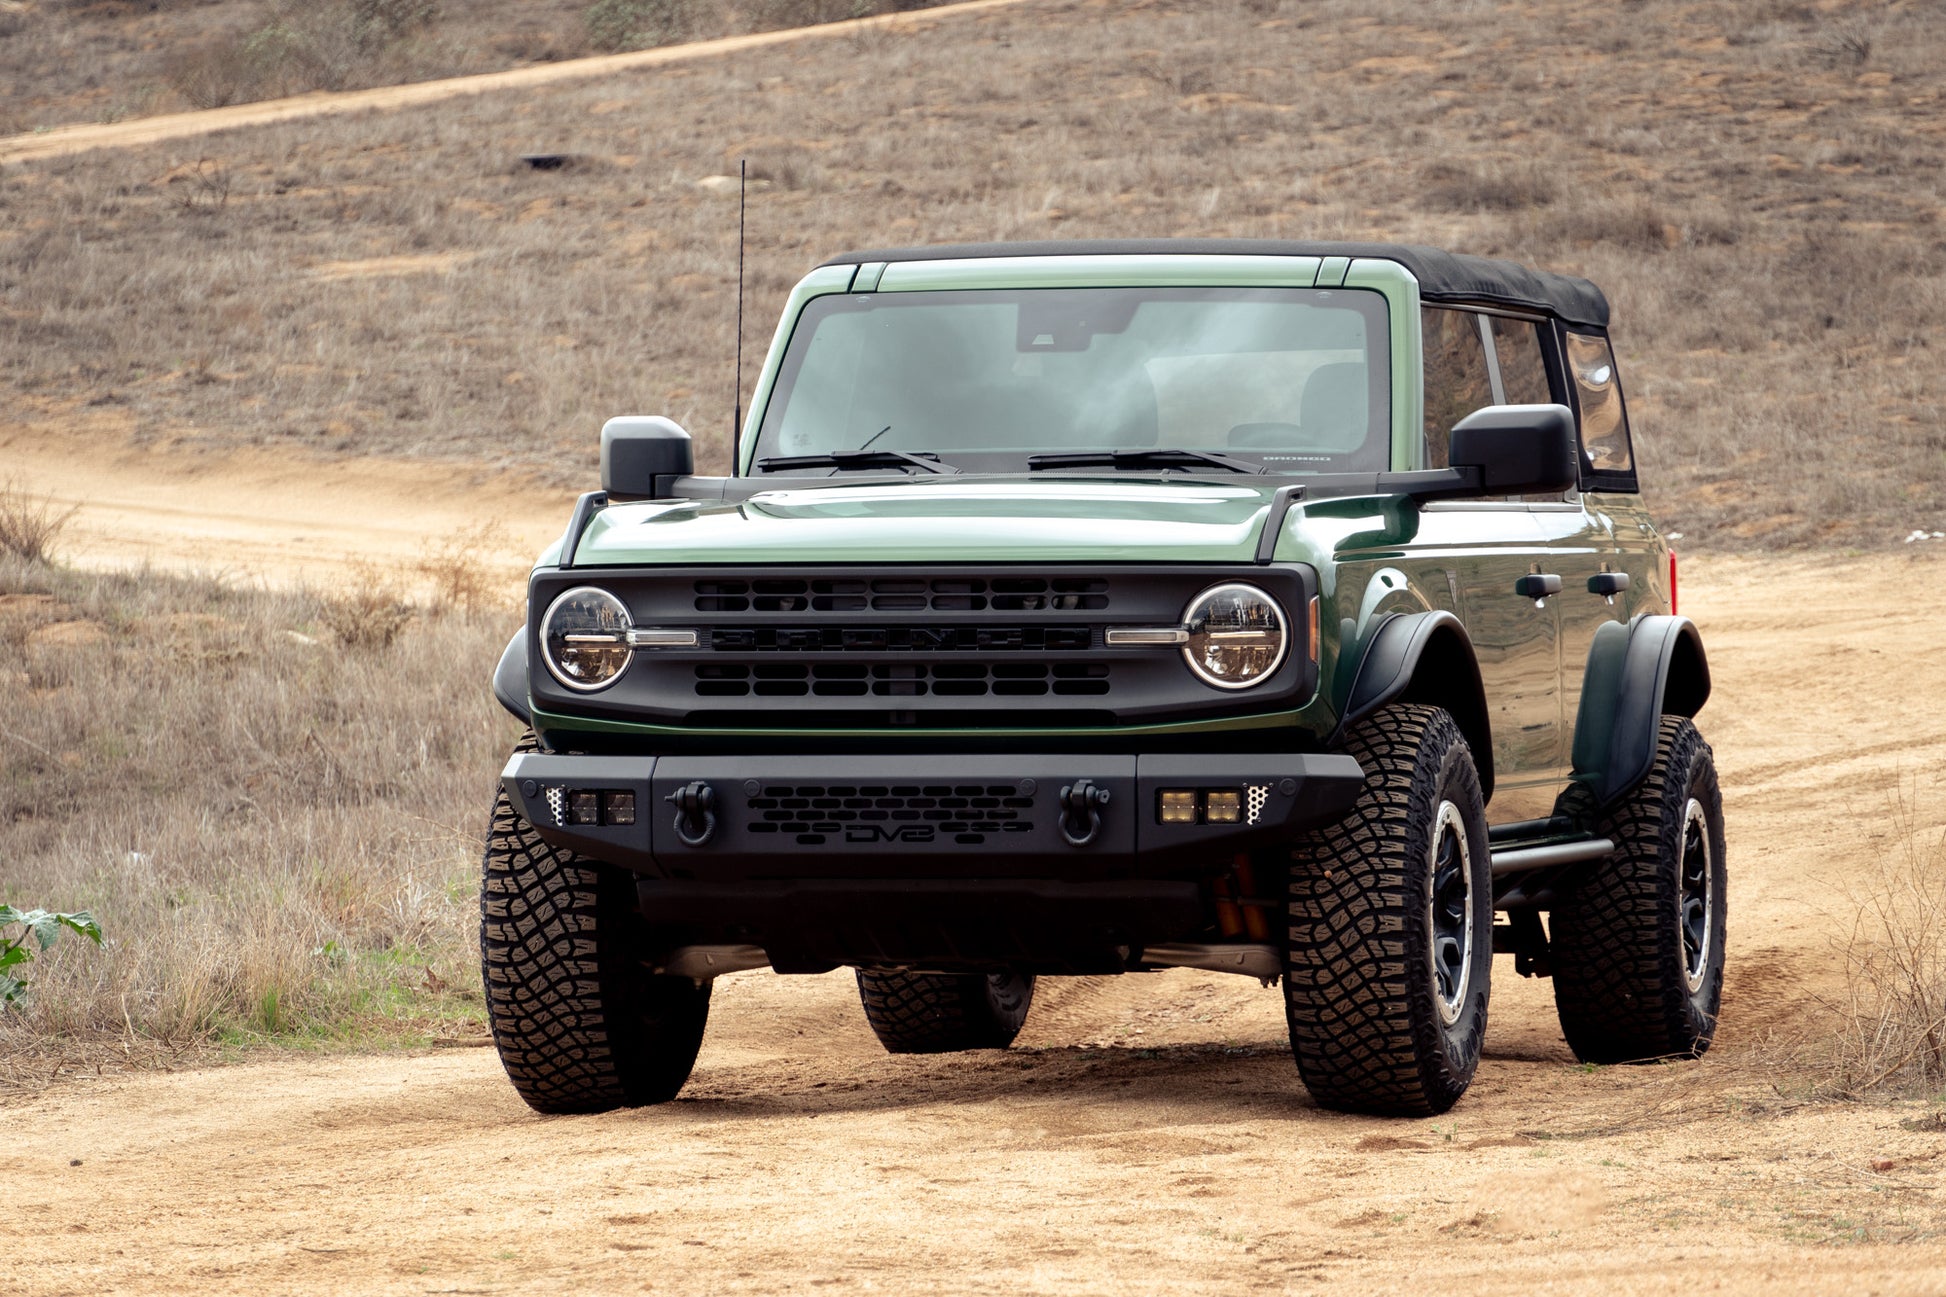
pixel 939 521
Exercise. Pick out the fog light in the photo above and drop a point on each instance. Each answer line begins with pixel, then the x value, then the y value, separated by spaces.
pixel 618 808
pixel 1178 806
pixel 583 808
pixel 1225 806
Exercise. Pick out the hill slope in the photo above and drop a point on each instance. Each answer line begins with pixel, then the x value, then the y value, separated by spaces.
pixel 1758 189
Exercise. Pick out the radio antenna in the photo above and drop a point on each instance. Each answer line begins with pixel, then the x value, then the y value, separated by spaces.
pixel 736 424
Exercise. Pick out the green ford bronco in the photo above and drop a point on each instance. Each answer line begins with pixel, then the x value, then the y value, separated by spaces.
pixel 1283 609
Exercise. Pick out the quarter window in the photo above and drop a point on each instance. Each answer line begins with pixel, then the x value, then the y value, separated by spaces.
pixel 1523 370
pixel 1604 421
pixel 1457 379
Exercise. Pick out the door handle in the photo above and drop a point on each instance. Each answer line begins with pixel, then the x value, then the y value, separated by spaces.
pixel 1537 586
pixel 1608 584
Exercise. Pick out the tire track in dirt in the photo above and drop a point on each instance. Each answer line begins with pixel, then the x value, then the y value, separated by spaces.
pixel 62 141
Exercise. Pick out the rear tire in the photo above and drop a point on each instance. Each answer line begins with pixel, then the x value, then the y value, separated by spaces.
pixel 942 1013
pixel 1637 943
pixel 1388 966
pixel 581 1023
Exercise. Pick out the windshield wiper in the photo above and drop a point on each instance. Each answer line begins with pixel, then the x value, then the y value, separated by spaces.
pixel 846 460
pixel 1177 458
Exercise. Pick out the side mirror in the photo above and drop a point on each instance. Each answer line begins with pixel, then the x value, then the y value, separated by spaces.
pixel 1517 449
pixel 636 450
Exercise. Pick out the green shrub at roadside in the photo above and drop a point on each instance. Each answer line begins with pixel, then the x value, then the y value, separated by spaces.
pixel 39 930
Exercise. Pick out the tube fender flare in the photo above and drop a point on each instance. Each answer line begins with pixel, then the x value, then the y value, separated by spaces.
pixel 510 680
pixel 1638 672
pixel 1423 657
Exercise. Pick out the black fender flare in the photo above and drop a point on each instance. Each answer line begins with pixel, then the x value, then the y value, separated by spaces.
pixel 1637 673
pixel 1423 657
pixel 510 679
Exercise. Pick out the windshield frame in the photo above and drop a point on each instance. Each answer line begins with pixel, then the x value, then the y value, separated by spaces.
pixel 1387 278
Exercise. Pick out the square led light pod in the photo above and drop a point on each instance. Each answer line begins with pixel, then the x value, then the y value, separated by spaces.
pixel 1178 806
pixel 1224 806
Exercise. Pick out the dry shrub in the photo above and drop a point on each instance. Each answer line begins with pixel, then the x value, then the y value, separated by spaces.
pixel 28 527
pixel 615 25
pixel 1632 225
pixel 1893 1032
pixel 1846 44
pixel 460 575
pixel 216 74
pixel 335 45
pixel 763 14
pixel 371 613
pixel 1491 187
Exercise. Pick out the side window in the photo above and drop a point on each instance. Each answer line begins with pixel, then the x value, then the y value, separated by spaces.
pixel 1523 370
pixel 1457 379
pixel 1604 423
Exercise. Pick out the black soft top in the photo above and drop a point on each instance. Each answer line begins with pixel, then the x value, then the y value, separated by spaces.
pixel 1443 276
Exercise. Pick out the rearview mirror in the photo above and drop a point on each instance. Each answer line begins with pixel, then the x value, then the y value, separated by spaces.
pixel 637 449
pixel 1517 449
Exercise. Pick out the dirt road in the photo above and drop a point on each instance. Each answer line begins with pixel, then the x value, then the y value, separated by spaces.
pixel 1148 1133
pixel 270 516
pixel 61 141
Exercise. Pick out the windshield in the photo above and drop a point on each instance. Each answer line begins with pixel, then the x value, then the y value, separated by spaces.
pixel 1296 379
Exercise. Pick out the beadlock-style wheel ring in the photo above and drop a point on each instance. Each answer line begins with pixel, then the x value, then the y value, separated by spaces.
pixel 1695 907
pixel 1449 902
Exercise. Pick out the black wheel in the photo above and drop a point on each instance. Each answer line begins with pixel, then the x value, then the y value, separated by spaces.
pixel 1389 958
pixel 939 1013
pixel 581 1023
pixel 1637 943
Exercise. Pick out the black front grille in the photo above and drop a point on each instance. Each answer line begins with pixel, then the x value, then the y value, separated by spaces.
pixel 902 680
pixel 892 647
pixel 904 594
pixel 901 639
pixel 969 813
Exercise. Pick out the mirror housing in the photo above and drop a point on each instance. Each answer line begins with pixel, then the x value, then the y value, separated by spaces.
pixel 1518 449
pixel 639 453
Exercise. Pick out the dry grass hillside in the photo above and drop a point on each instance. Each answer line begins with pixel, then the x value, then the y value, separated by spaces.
pixel 67 61
pixel 271 800
pixel 1759 186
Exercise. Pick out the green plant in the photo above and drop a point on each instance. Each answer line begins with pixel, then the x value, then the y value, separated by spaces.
pixel 39 929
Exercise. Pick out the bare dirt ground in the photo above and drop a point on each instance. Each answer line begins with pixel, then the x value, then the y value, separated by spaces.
pixel 1148 1131
pixel 269 515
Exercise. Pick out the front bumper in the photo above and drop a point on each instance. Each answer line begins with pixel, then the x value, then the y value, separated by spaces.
pixel 824 819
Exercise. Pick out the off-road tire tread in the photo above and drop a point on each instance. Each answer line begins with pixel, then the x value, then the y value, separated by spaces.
pixel 1346 994
pixel 1609 941
pixel 942 1013
pixel 580 1024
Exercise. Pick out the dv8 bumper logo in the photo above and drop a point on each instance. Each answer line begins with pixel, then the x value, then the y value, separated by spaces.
pixel 910 833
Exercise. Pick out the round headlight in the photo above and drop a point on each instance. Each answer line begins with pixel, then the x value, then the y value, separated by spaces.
pixel 584 638
pixel 1238 636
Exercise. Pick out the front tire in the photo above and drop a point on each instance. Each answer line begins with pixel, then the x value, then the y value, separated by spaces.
pixel 942 1013
pixel 1389 958
pixel 1637 944
pixel 580 1022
